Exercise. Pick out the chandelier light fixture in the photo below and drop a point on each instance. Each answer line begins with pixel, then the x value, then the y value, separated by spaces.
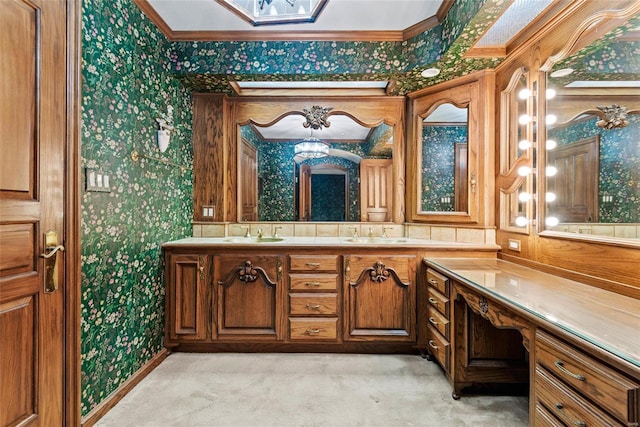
pixel 311 148
pixel 269 12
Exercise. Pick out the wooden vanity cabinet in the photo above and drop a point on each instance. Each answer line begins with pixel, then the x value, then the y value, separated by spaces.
pixel 380 297
pixel 437 319
pixel 249 296
pixel 579 389
pixel 313 304
pixel 187 298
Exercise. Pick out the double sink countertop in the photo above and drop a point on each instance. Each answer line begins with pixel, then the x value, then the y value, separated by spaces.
pixel 323 242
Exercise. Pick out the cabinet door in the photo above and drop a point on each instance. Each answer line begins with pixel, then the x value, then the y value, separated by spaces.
pixel 250 296
pixel 380 297
pixel 188 307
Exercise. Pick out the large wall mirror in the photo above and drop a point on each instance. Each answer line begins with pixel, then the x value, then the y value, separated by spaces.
pixel 593 139
pixel 292 173
pixel 447 172
pixel 349 168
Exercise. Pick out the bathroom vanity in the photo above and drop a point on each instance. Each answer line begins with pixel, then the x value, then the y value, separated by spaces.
pixel 583 343
pixel 298 293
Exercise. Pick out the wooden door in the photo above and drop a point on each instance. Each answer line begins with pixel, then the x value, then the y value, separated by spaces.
pixel 380 297
pixel 188 299
pixel 33 125
pixel 576 183
pixel 376 190
pixel 249 179
pixel 249 297
pixel 460 177
pixel 304 193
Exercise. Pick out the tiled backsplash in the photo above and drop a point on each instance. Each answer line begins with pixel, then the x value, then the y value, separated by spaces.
pixel 627 231
pixel 346 229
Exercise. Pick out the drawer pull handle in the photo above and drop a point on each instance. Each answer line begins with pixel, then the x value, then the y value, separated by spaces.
pixel 313 331
pixel 313 264
pixel 433 281
pixel 560 365
pixel 313 284
pixel 315 307
pixel 433 345
pixel 433 321
pixel 578 423
pixel 433 301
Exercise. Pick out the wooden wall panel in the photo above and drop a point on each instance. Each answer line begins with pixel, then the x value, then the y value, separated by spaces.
pixel 18 325
pixel 208 156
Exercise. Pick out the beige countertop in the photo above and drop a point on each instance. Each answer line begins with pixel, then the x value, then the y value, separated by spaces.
pixel 605 319
pixel 321 242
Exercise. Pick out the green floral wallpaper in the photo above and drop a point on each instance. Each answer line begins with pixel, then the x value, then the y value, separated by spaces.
pixel 438 165
pixel 329 198
pixel 126 85
pixel 208 66
pixel 619 166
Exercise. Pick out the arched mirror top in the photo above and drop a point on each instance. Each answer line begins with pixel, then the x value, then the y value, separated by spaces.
pixel 591 148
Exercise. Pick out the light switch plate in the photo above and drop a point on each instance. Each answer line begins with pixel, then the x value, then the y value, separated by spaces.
pixel 514 245
pixel 96 180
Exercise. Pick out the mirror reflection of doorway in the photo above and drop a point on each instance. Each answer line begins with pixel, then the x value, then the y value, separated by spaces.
pixel 323 193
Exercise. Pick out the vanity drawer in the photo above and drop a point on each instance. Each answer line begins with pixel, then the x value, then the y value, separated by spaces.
pixel 313 262
pixel 313 304
pixel 311 282
pixel 438 321
pixel 438 301
pixel 592 378
pixel 565 404
pixel 544 418
pixel 313 329
pixel 439 347
pixel 438 281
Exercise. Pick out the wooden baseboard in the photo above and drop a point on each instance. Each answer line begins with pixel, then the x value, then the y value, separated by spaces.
pixel 110 401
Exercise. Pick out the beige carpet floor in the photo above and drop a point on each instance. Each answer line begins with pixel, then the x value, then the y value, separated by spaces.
pixel 306 390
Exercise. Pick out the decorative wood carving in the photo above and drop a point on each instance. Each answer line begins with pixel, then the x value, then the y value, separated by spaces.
pixel 483 305
pixel 247 273
pixel 379 273
pixel 612 117
pixel 316 117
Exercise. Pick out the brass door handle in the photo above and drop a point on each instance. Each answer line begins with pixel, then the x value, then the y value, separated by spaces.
pixel 433 301
pixel 433 345
pixel 50 256
pixel 313 284
pixel 313 264
pixel 433 321
pixel 315 307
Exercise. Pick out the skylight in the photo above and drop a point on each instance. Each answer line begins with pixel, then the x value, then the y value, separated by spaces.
pixel 269 12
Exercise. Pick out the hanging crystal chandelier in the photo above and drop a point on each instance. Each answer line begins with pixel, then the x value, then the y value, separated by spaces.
pixel 311 148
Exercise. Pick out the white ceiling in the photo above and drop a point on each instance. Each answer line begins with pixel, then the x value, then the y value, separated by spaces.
pixel 337 15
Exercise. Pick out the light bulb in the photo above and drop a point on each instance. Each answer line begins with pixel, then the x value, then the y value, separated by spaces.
pixel 524 94
pixel 551 144
pixel 550 93
pixel 551 171
pixel 301 10
pixel 524 196
pixel 524 170
pixel 550 197
pixel 524 144
pixel 525 119
pixel 551 119
pixel 551 221
pixel 521 221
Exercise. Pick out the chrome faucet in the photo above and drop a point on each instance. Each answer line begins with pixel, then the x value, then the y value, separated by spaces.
pixel 275 231
pixel 355 232
pixel 370 234
pixel 260 233
pixel 384 232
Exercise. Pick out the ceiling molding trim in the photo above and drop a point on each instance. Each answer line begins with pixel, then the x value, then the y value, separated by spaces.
pixel 154 17
pixel 211 36
pixel 486 52
pixel 307 35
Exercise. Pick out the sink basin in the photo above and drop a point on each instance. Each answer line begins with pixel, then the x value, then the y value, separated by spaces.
pixel 253 239
pixel 374 240
pixel 269 239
